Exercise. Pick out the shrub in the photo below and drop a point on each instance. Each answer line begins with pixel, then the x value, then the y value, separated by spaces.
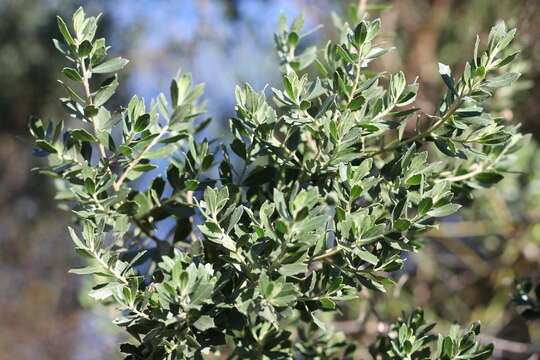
pixel 317 197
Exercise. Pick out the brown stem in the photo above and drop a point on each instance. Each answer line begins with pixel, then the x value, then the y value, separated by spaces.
pixel 189 200
pixel 462 177
pixel 309 138
pixel 362 4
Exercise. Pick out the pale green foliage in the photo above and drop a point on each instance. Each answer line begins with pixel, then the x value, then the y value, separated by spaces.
pixel 312 203
pixel 411 339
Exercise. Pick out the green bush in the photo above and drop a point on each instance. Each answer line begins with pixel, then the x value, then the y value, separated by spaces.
pixel 316 198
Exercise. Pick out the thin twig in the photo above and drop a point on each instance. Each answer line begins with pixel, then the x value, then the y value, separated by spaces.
pixel 480 168
pixel 337 250
pixel 358 69
pixel 362 4
pixel 420 136
pixel 289 152
pixel 135 162
pixel 189 200
pixel 466 176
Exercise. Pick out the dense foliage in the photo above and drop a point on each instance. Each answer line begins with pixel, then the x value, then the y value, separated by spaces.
pixel 315 198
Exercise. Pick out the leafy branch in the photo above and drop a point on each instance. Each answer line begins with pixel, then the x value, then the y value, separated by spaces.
pixel 293 217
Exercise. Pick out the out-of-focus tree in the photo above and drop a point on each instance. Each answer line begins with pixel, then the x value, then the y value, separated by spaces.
pixel 39 317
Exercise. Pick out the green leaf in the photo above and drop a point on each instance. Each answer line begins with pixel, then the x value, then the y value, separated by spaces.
pixel 78 21
pixel 72 93
pixel 327 304
pixel 283 294
pixel 293 269
pixel 175 138
pixel 85 48
pixel 366 256
pixel 304 105
pixel 211 199
pixel 110 66
pixel 192 184
pixel 90 28
pixel 312 223
pixel 99 52
pixel 508 59
pixel 64 31
pixel 489 177
pixel 374 231
pixel 344 54
pixel 86 254
pixel 357 103
pixel 403 333
pixel 425 205
pixel 204 323
pixel 333 130
pixel 289 88
pixel 142 123
pixel 321 68
pixel 360 33
pixel 105 92
pixel 90 186
pixel 356 191
pixel 102 292
pixel 128 208
pixel 45 146
pixel 446 74
pixel 72 74
pixel 502 80
pixel 90 111
pixel 203 293
pixel 402 224
pixel 62 48
pixel 298 23
pixel 35 125
pixel 239 149
pixel 161 152
pixel 174 90
pixel 444 210
pixel 480 72
pixel 414 180
pixel 144 167
pixel 293 39
pixel 448 347
pixel 82 135
pixel 103 120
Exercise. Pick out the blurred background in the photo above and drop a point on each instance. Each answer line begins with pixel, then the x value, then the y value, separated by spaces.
pixel 469 266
